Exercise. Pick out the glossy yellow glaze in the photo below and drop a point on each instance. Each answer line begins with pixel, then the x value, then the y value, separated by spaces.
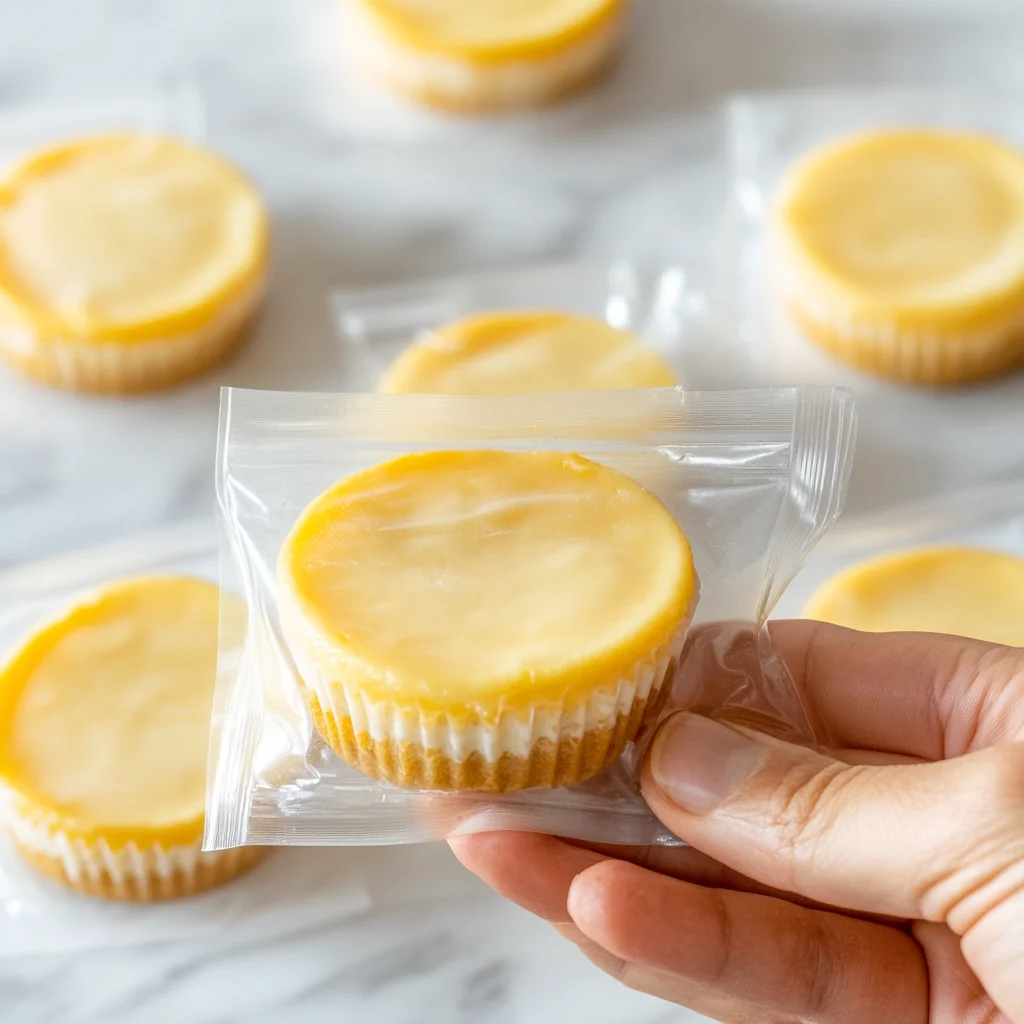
pixel 105 713
pixel 478 582
pixel 125 238
pixel 960 590
pixel 491 31
pixel 522 352
pixel 922 230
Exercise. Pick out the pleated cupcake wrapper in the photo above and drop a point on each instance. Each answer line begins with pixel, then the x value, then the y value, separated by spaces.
pixel 553 745
pixel 153 872
pixel 916 356
pixel 925 358
pixel 463 84
pixel 114 368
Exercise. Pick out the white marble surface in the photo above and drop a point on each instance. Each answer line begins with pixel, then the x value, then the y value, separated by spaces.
pixel 365 190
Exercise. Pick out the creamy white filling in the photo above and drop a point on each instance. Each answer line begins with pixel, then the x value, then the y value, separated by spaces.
pixel 501 83
pixel 323 674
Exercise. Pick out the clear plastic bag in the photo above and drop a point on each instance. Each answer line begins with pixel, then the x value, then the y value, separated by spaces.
pixel 663 305
pixel 753 477
pixel 989 516
pixel 175 111
pixel 38 916
pixel 765 135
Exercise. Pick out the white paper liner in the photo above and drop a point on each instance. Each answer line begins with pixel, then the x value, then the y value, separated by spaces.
pixel 135 366
pixel 472 84
pixel 146 872
pixel 913 354
pixel 455 739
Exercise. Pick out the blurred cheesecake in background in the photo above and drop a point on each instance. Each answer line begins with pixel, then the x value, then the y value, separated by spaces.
pixel 104 729
pixel 902 253
pixel 484 55
pixel 959 590
pixel 523 352
pixel 128 262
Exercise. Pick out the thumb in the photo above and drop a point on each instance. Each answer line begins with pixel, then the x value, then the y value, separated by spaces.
pixel 942 841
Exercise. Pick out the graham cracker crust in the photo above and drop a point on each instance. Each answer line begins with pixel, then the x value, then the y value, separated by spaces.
pixel 413 766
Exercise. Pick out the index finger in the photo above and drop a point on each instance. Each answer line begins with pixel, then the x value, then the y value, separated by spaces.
pixel 918 694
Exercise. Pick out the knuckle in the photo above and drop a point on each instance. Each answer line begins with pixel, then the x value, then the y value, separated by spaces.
pixel 806 805
pixel 978 696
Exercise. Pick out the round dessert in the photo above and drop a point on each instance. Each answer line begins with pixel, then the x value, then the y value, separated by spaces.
pixel 104 727
pixel 128 262
pixel 959 590
pixel 902 253
pixel 514 353
pixel 463 55
pixel 484 620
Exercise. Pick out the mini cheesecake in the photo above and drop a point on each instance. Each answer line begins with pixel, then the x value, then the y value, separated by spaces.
pixel 902 253
pixel 960 590
pixel 104 728
pixel 523 352
pixel 484 620
pixel 468 56
pixel 128 262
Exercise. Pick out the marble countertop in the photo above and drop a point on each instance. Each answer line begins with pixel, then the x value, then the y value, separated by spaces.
pixel 364 190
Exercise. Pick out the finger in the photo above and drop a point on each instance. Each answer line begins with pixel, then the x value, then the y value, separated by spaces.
pixel 753 950
pixel 956 993
pixel 919 694
pixel 938 841
pixel 670 987
pixel 533 871
pixel 873 757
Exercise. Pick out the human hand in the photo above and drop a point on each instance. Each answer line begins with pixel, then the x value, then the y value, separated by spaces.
pixel 884 883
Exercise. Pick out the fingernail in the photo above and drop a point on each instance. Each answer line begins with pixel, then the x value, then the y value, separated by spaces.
pixel 700 763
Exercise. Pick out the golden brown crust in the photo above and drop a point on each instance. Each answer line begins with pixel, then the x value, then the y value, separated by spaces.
pixel 933 363
pixel 212 869
pixel 412 766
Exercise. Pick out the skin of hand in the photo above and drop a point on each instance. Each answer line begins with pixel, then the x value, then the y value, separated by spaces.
pixel 879 883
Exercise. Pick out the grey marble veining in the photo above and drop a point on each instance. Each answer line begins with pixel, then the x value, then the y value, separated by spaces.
pixel 365 190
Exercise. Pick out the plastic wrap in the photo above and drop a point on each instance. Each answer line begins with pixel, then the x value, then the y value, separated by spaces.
pixel 990 516
pixel 754 478
pixel 38 916
pixel 174 111
pixel 766 134
pixel 666 306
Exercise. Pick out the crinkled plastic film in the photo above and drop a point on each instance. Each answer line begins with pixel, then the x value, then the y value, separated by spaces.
pixel 38 916
pixel 753 477
pixel 989 516
pixel 176 110
pixel 766 134
pixel 665 305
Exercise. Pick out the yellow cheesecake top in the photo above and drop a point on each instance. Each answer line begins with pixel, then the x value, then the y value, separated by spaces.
pixel 522 352
pixel 960 590
pixel 917 224
pixel 105 712
pixel 466 582
pixel 493 30
pixel 126 237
